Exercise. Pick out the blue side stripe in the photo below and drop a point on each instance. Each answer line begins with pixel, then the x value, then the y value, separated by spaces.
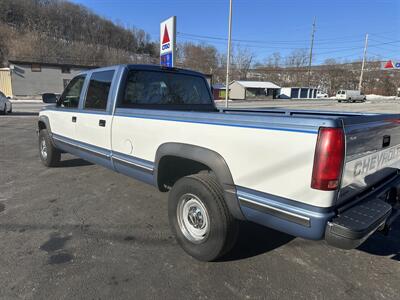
pixel 130 159
pixel 134 160
pixel 216 123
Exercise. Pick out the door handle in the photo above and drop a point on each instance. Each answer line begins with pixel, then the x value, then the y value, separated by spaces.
pixel 102 123
pixel 74 119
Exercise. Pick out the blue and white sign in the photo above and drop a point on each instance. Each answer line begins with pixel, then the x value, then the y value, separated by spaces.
pixel 168 42
pixel 166 60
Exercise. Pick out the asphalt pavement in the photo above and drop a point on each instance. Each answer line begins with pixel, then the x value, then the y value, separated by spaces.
pixel 80 231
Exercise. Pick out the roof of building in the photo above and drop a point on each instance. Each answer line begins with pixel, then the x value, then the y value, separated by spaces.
pixel 47 63
pixel 257 84
pixel 298 87
pixel 218 86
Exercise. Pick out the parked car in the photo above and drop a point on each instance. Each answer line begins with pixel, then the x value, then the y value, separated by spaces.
pixel 350 96
pixel 5 104
pixel 317 175
pixel 322 95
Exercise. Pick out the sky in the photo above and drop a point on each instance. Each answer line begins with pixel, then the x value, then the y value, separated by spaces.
pixel 268 26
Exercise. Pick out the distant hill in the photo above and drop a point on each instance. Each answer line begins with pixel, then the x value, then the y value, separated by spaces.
pixel 53 30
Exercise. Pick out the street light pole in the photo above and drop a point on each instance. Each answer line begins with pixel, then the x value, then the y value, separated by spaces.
pixel 363 63
pixel 228 56
pixel 311 53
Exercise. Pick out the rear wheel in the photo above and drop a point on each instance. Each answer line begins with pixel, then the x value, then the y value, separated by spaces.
pixel 49 154
pixel 200 218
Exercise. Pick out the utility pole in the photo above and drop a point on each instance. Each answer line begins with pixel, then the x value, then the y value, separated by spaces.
pixel 228 56
pixel 311 52
pixel 363 63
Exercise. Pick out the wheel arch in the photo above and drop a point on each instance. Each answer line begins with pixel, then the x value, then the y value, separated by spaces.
pixel 44 123
pixel 204 156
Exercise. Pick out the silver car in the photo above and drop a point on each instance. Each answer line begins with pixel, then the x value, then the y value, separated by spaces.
pixel 5 104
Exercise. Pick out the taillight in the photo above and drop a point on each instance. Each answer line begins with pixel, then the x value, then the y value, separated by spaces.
pixel 328 159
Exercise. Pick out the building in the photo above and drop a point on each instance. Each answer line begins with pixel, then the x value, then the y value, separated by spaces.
pixel 298 93
pixel 219 91
pixel 257 90
pixel 30 79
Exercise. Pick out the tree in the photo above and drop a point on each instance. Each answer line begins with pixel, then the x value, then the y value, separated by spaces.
pixel 203 58
pixel 297 58
pixel 242 59
pixel 274 60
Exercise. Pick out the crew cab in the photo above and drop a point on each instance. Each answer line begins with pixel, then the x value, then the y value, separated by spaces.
pixel 311 174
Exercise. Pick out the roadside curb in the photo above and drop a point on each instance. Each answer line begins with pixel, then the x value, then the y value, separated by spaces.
pixel 26 101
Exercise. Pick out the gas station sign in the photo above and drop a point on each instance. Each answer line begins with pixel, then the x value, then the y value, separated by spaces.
pixel 168 42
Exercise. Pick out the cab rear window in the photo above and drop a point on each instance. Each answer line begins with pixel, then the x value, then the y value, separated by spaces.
pixel 152 89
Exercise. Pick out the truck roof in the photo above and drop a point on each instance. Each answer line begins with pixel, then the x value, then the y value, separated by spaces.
pixel 150 68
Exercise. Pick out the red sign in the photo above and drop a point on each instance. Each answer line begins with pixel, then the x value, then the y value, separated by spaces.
pixel 166 36
pixel 389 65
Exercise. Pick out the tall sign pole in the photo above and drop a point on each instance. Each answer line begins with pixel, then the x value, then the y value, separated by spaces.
pixel 168 42
pixel 363 63
pixel 228 55
pixel 311 52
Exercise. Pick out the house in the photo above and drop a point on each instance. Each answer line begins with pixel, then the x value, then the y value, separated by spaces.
pixel 219 91
pixel 253 90
pixel 31 78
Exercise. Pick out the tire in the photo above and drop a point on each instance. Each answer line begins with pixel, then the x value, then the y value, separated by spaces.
pixel 200 218
pixel 49 155
pixel 340 101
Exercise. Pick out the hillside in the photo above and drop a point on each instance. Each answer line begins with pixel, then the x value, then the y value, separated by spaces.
pixel 53 30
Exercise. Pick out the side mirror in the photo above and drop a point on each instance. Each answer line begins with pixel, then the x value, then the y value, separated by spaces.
pixel 9 98
pixel 49 98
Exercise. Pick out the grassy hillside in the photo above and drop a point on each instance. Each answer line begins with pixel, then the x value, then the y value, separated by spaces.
pixel 53 30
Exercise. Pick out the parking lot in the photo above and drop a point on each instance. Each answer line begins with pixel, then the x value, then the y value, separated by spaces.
pixel 80 231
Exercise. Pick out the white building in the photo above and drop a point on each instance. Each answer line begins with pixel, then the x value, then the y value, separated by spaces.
pixel 257 90
pixel 298 93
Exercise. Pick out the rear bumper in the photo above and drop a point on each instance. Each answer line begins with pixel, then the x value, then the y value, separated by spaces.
pixel 344 227
pixel 353 226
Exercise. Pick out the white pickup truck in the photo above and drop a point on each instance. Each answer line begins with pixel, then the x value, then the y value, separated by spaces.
pixel 316 175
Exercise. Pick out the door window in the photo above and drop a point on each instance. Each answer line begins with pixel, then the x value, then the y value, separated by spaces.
pixel 71 95
pixel 99 89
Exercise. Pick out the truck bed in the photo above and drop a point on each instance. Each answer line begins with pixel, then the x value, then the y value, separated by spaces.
pixel 372 144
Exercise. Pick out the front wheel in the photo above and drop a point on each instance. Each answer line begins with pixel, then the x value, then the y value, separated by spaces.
pixel 49 155
pixel 200 218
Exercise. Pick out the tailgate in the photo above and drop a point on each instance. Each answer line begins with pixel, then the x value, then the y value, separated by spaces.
pixel 372 152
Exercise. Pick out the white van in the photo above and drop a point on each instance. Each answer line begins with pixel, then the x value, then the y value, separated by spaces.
pixel 350 96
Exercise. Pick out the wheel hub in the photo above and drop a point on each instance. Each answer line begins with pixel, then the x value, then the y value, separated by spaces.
pixel 193 218
pixel 43 149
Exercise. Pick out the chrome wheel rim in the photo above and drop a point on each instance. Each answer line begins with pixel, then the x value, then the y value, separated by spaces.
pixel 193 218
pixel 43 149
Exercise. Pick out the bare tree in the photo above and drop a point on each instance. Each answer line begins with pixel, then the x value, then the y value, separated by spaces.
pixel 242 59
pixel 203 58
pixel 297 58
pixel 274 60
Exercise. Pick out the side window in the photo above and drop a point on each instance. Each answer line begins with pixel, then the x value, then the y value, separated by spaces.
pixel 71 95
pixel 99 88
